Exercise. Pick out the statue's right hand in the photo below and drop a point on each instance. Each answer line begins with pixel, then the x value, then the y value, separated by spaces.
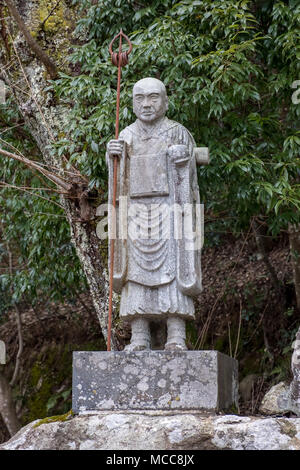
pixel 115 148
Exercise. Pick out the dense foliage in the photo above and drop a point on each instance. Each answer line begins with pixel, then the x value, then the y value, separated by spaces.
pixel 37 260
pixel 229 67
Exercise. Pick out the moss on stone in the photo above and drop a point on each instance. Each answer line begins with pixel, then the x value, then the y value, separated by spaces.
pixel 53 419
pixel 41 386
pixel 51 373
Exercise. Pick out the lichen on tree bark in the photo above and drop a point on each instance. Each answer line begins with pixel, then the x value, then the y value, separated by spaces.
pixel 43 116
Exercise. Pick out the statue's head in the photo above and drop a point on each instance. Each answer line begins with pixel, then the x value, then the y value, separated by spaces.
pixel 150 101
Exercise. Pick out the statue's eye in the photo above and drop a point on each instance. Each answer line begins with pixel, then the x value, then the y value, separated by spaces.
pixel 139 99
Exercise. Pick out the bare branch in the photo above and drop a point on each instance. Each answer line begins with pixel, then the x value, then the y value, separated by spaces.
pixel 40 110
pixel 37 195
pixel 29 163
pixel 4 184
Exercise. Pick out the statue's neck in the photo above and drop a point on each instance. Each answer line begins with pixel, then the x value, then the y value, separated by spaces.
pixel 151 126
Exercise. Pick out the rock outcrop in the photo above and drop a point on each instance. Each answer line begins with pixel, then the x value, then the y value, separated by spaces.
pixel 158 431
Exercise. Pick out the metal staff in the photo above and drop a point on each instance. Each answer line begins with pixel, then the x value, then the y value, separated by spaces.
pixel 120 59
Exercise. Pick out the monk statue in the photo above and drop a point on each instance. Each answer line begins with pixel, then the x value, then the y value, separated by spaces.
pixel 157 227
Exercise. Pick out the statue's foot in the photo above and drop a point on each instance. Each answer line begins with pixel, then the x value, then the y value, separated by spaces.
pixel 136 347
pixel 175 346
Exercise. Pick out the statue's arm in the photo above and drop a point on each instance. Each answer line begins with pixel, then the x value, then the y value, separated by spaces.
pixel 187 195
pixel 118 148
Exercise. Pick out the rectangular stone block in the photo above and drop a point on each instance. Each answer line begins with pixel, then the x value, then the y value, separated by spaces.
pixel 154 380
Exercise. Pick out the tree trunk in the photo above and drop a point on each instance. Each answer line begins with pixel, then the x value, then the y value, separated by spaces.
pixel 44 116
pixel 7 407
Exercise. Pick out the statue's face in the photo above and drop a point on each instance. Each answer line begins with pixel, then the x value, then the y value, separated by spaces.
pixel 150 101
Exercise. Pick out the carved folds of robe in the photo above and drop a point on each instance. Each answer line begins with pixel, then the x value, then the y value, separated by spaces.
pixel 157 266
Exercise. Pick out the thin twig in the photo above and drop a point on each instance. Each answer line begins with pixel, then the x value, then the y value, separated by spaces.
pixel 8 144
pixel 29 163
pixel 44 213
pixel 259 323
pixel 40 109
pixel 30 88
pixel 10 128
pixel 13 85
pixel 202 337
pixel 41 197
pixel 229 339
pixel 239 331
pixel 44 165
pixel 4 184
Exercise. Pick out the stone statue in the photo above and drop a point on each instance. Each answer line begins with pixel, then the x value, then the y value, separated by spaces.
pixel 295 385
pixel 289 399
pixel 157 268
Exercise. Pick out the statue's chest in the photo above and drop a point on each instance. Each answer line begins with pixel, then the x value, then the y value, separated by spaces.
pixel 148 167
pixel 149 145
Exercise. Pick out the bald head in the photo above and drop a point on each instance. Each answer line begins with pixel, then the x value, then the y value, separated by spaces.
pixel 150 100
pixel 150 83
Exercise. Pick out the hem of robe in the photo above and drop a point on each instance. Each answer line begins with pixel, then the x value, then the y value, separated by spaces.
pixel 166 300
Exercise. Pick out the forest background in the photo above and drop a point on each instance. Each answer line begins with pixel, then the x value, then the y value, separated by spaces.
pixel 231 69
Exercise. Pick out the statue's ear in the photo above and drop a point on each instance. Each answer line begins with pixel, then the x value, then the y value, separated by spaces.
pixel 167 103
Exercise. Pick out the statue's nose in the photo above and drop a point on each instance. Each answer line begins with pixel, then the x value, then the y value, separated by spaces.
pixel 147 103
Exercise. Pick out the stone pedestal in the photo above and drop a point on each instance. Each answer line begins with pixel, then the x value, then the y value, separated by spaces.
pixel 154 380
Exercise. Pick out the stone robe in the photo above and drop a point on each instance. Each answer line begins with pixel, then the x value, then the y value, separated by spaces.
pixel 157 269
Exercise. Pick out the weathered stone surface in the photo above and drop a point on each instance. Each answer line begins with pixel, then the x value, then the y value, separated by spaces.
pixel 203 380
pixel 295 385
pixel 270 404
pixel 286 402
pixel 158 431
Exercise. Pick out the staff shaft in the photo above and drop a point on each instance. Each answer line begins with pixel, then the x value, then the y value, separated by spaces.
pixel 115 178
